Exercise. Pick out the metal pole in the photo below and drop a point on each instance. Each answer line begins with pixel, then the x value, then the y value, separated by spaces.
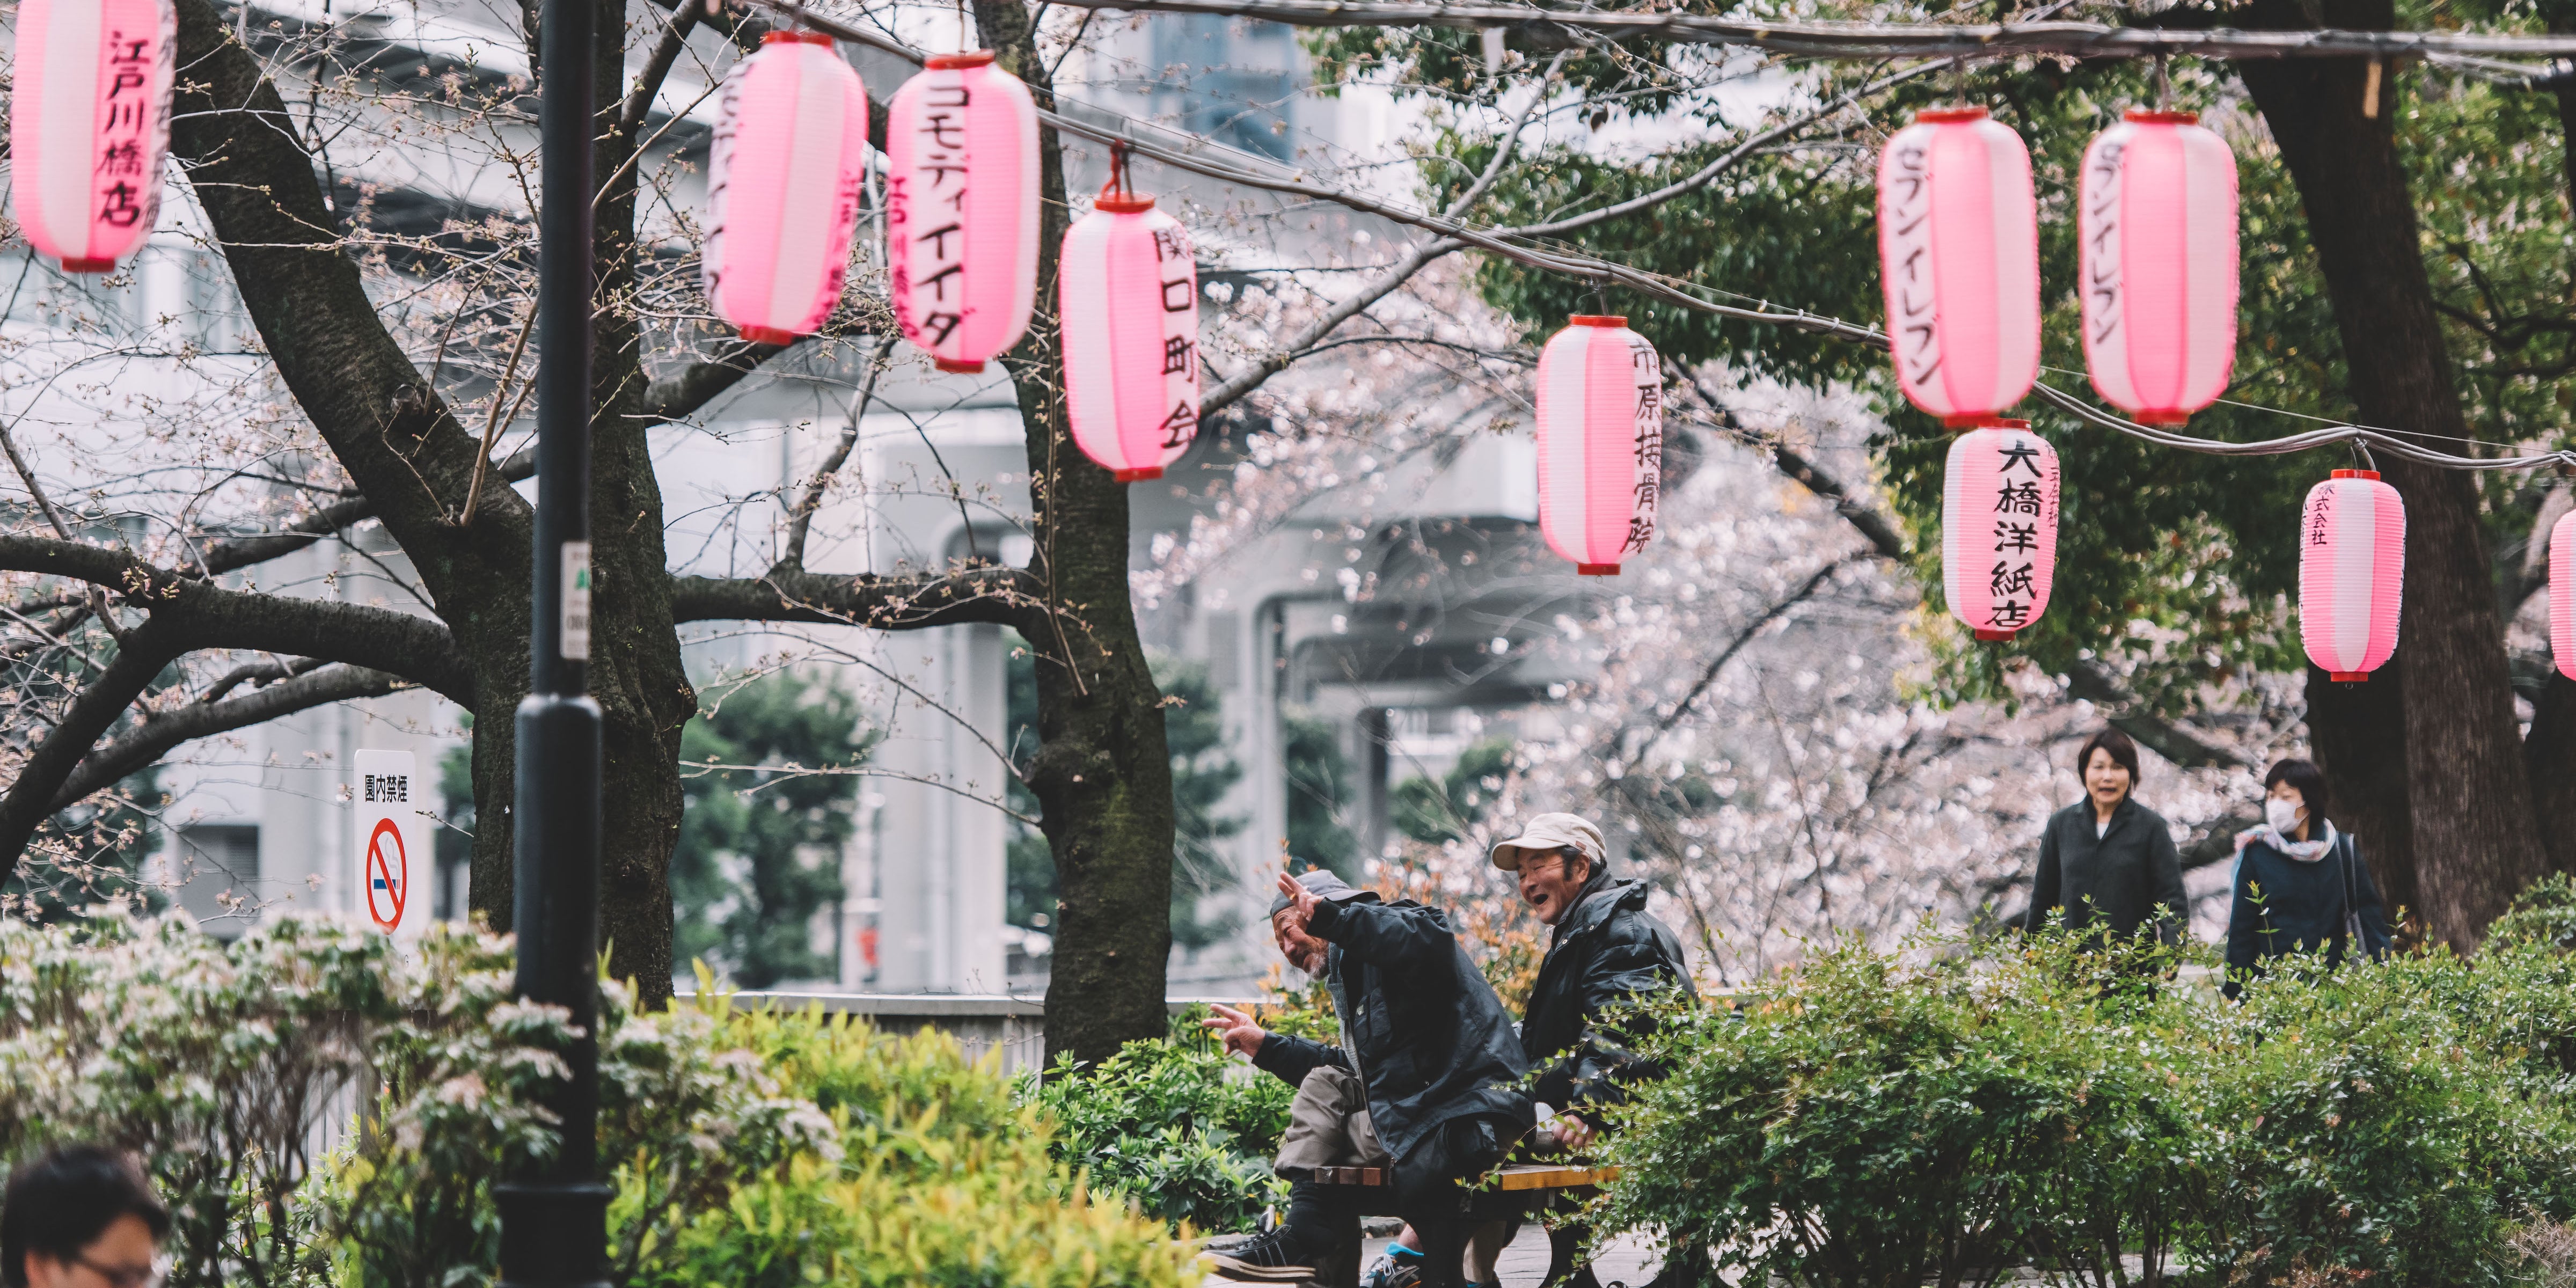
pixel 554 1216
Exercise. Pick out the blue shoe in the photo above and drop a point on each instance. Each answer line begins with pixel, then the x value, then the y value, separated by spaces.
pixel 1397 1267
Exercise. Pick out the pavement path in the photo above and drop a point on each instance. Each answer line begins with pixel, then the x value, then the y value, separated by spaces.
pixel 1524 1263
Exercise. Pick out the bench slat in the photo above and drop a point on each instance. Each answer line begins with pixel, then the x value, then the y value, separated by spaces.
pixel 1520 1176
pixel 1545 1176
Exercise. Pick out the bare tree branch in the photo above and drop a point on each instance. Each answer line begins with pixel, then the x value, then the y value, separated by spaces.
pixel 680 396
pixel 794 559
pixel 989 593
pixel 147 648
pixel 196 615
pixel 159 733
pixel 248 551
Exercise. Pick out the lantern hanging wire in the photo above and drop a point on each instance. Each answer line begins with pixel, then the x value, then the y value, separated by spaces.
pixel 1205 158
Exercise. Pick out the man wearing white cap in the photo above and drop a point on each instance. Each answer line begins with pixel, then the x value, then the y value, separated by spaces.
pixel 1607 954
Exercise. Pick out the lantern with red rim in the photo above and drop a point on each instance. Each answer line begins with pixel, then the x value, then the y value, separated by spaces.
pixel 2352 572
pixel 962 209
pixel 783 177
pixel 1600 442
pixel 1999 528
pixel 89 125
pixel 2156 218
pixel 1130 329
pixel 1958 241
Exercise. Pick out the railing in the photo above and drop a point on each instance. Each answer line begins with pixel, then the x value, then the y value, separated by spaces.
pixel 1013 1022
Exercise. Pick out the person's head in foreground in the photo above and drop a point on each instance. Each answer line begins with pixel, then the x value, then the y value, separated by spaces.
pixel 81 1216
pixel 1555 857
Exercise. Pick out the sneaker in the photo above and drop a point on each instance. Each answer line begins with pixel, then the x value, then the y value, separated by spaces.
pixel 1397 1267
pixel 1277 1256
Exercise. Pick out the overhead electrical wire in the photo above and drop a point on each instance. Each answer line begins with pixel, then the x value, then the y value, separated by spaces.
pixel 1211 161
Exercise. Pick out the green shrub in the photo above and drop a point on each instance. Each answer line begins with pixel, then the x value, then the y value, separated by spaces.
pixel 746 1148
pixel 938 1178
pixel 1175 1124
pixel 1952 1108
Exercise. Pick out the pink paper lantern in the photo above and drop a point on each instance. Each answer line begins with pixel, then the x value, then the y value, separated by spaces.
pixel 2352 566
pixel 1131 329
pixel 1999 528
pixel 1600 442
pixel 2157 220
pixel 962 209
pixel 1958 244
pixel 2562 595
pixel 89 124
pixel 783 181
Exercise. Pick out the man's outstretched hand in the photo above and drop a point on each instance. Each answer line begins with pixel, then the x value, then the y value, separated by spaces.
pixel 1237 1028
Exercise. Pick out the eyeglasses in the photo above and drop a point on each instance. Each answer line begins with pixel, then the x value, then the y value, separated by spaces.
pixel 127 1276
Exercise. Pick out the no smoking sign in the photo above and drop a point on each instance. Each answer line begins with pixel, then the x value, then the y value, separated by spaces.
pixel 393 841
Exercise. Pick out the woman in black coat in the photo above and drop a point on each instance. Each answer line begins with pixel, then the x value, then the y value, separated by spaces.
pixel 2108 861
pixel 2300 884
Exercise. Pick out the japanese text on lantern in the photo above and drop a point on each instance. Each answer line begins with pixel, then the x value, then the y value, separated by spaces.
pixel 2010 582
pixel 941 248
pixel 123 128
pixel 2103 281
pixel 1648 370
pixel 1175 262
pixel 1908 185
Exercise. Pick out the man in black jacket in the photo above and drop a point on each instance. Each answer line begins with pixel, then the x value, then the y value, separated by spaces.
pixel 1607 955
pixel 1426 1080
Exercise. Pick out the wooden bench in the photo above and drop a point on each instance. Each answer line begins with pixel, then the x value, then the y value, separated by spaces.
pixel 1518 1188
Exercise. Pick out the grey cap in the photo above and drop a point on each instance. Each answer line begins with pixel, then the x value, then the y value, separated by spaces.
pixel 1324 885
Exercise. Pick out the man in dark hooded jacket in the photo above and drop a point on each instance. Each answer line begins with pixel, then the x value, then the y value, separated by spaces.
pixel 1426 1081
pixel 1607 955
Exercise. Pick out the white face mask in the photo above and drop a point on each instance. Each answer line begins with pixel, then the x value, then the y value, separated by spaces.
pixel 2282 815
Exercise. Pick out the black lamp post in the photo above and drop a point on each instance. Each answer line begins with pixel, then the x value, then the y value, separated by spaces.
pixel 554 1218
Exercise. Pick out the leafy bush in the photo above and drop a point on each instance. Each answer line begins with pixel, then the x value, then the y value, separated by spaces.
pixel 747 1148
pixel 1942 1111
pixel 939 1178
pixel 1177 1126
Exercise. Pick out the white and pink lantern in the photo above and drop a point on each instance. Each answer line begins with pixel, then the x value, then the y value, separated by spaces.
pixel 89 125
pixel 962 209
pixel 1600 442
pixel 2562 594
pixel 1131 330
pixel 783 177
pixel 1958 243
pixel 2156 217
pixel 2352 569
pixel 1999 528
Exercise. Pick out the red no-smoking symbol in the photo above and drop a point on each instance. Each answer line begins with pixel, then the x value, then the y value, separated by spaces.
pixel 388 876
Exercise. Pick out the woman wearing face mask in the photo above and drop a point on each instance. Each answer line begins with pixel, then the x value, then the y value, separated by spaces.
pixel 2106 862
pixel 2300 884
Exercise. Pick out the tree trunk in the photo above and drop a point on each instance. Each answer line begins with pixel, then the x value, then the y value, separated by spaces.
pixel 2549 753
pixel 1101 773
pixel 2472 834
pixel 2357 735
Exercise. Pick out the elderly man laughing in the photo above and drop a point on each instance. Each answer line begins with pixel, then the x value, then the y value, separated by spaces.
pixel 1425 1081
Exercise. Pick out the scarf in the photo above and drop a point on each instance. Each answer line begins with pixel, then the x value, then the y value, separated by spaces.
pixel 2303 851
